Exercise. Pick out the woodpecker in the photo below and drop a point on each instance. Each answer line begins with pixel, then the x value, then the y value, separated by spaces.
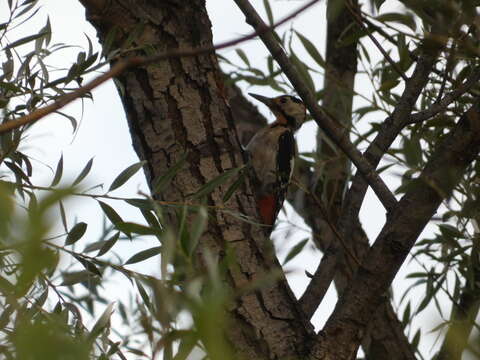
pixel 272 152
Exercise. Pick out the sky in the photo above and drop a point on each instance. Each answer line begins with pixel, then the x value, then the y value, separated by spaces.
pixel 103 135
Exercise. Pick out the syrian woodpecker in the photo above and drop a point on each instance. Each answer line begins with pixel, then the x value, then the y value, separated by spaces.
pixel 272 153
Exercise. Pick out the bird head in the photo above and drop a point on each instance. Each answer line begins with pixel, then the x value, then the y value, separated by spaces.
pixel 288 110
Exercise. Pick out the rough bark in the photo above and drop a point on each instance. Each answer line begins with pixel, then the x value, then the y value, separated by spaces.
pixel 344 330
pixel 176 106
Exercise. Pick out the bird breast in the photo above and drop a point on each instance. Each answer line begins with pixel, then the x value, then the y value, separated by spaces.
pixel 263 149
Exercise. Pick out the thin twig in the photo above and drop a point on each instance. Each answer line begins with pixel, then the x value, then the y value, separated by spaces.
pixel 326 216
pixel 135 61
pixel 359 20
pixel 442 105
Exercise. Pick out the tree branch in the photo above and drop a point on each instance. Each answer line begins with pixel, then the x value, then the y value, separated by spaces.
pixel 343 332
pixel 447 99
pixel 336 133
pixel 136 61
pixel 389 131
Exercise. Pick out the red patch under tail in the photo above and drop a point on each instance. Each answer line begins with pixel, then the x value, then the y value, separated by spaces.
pixel 267 206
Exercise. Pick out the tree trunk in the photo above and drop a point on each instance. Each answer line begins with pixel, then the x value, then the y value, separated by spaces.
pixel 178 106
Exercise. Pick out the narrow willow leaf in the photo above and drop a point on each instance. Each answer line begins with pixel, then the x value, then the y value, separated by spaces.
pixel 231 190
pixel 196 230
pixel 102 322
pixel 294 251
pixel 241 54
pixel 143 293
pixel 76 233
pixel 63 216
pixel 140 203
pixel 83 173
pixel 110 213
pixel 125 175
pixel 144 255
pixel 58 172
pixel 451 231
pixel 406 19
pixel 311 50
pixel 162 181
pixel 24 40
pixel 303 70
pixel 268 10
pixel 412 150
pixel 129 228
pixel 109 244
pixel 41 300
pixel 88 265
pixel 219 180
pixel 186 346
pixel 416 339
pixel 18 172
pixel 109 39
pixel 406 315
pixel 150 217
pixel 72 278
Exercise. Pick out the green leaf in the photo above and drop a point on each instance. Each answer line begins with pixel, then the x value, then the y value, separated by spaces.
pixel 213 184
pixel 294 251
pixel 109 39
pixel 76 233
pixel 163 180
pixel 129 227
pixel 63 216
pixel 24 40
pixel 18 172
pixel 406 19
pixel 231 190
pixel 70 118
pixel 450 231
pixel 87 265
pixel 102 322
pixel 416 339
pixel 125 175
pixel 197 228
pixel 58 172
pixel 140 203
pixel 110 213
pixel 143 293
pixel 303 70
pixel 83 173
pixel 72 278
pixel 109 244
pixel 186 346
pixel 412 151
pixel 311 50
pixel 241 54
pixel 268 10
pixel 406 315
pixel 144 255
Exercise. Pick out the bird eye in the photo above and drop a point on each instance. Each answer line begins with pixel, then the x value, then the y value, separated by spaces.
pixel 283 100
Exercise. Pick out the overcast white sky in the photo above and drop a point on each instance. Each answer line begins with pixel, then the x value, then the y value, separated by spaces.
pixel 103 134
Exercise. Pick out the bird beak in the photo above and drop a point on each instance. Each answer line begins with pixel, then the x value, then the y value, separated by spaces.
pixel 267 101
